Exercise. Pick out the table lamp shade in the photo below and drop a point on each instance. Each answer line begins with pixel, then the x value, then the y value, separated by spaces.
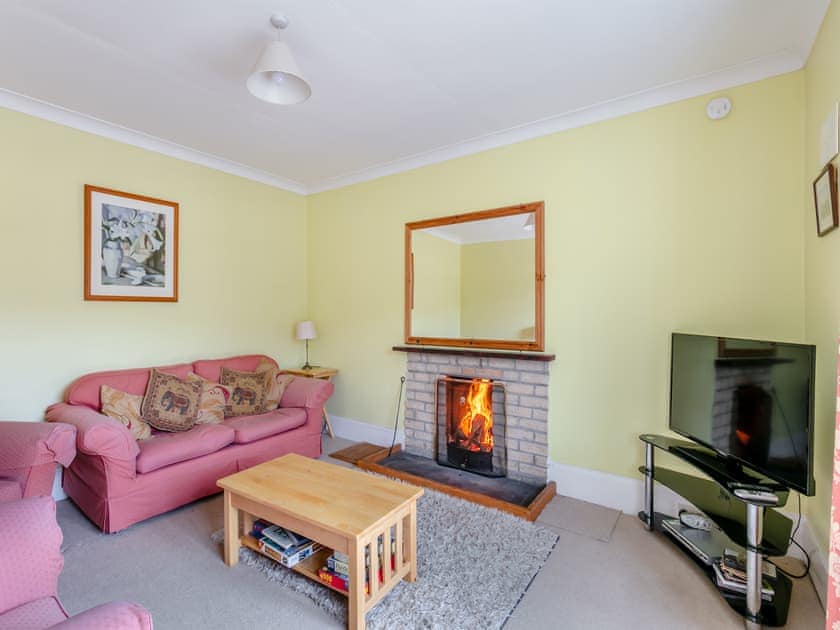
pixel 306 330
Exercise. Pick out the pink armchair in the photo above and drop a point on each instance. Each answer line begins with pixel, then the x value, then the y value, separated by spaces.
pixel 30 562
pixel 29 452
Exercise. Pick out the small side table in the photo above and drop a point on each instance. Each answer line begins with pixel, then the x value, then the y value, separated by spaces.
pixel 323 373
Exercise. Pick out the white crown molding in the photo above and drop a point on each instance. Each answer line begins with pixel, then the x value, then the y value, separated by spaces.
pixel 83 122
pixel 749 72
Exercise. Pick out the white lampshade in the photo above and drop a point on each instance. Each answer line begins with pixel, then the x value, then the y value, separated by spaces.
pixel 306 330
pixel 276 78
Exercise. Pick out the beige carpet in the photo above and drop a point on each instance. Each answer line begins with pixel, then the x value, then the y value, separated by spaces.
pixel 634 580
pixel 457 541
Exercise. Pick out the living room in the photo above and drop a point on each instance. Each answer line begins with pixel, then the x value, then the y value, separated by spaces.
pixel 657 219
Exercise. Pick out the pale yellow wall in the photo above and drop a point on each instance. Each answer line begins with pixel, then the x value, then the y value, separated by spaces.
pixel 243 252
pixel 658 221
pixel 497 290
pixel 822 264
pixel 437 286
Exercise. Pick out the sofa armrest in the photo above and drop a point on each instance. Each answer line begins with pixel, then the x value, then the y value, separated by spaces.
pixel 30 551
pixel 110 616
pixel 29 444
pixel 307 392
pixel 96 434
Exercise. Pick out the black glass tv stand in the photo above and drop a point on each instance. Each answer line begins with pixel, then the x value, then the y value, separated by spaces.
pixel 740 503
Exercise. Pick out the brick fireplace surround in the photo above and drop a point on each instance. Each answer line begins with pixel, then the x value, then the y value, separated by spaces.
pixel 525 376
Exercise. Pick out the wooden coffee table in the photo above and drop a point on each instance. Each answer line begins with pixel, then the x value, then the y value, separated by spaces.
pixel 344 510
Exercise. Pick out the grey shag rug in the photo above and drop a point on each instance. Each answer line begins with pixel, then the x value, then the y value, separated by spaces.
pixel 474 565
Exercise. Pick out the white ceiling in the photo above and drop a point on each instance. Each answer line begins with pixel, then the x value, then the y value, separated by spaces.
pixel 511 228
pixel 395 83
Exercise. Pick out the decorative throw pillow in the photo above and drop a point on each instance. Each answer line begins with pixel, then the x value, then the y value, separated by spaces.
pixel 211 405
pixel 125 408
pixel 247 391
pixel 277 384
pixel 170 404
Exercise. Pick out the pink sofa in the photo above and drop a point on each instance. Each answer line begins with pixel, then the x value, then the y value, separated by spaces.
pixel 30 562
pixel 118 481
pixel 29 453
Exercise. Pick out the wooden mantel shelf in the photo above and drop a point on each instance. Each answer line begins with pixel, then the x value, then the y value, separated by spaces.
pixel 476 352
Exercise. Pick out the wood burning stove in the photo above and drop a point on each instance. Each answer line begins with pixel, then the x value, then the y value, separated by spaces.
pixel 470 424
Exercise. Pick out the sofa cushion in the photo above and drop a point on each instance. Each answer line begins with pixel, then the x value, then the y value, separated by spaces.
pixel 85 389
pixel 170 448
pixel 126 409
pixel 211 405
pixel 253 428
pixel 170 403
pixel 212 369
pixel 247 391
pixel 277 382
pixel 44 612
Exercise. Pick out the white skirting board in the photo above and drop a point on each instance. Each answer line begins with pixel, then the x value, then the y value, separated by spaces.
pixel 614 491
pixel 358 431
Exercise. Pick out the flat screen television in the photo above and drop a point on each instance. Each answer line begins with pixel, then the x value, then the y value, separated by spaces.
pixel 750 401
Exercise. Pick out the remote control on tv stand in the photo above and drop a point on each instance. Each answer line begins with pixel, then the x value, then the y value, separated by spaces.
pixel 755 495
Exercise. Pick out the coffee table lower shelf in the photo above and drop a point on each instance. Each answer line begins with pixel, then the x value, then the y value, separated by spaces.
pixel 344 510
pixel 308 567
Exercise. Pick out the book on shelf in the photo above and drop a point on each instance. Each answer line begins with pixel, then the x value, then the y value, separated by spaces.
pixel 338 566
pixel 737 586
pixel 282 537
pixel 734 563
pixel 337 570
pixel 290 556
pixel 337 580
pixel 258 527
pixel 333 579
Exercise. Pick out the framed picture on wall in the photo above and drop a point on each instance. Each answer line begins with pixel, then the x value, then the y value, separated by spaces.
pixel 131 247
pixel 825 199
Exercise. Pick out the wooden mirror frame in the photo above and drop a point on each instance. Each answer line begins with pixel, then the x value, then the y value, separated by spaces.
pixel 538 344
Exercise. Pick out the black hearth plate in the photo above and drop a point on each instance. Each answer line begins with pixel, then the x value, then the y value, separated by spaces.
pixel 501 488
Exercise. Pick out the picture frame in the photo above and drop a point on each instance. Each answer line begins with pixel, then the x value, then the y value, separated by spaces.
pixel 825 199
pixel 131 247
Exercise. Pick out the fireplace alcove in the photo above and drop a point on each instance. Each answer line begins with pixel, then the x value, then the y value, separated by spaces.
pixel 522 443
pixel 474 315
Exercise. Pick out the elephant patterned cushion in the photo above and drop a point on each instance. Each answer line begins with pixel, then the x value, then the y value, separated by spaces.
pixel 277 384
pixel 125 408
pixel 170 404
pixel 211 405
pixel 247 391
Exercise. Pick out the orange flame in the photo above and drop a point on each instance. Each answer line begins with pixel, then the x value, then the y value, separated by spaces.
pixel 476 424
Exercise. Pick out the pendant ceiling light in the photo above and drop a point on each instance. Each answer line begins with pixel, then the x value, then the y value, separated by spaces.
pixel 276 77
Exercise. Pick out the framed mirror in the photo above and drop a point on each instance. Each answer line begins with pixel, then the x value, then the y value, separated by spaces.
pixel 476 279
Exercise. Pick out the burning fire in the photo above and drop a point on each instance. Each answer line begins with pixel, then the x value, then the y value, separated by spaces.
pixel 475 429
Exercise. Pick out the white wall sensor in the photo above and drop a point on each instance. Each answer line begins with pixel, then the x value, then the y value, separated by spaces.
pixel 718 108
